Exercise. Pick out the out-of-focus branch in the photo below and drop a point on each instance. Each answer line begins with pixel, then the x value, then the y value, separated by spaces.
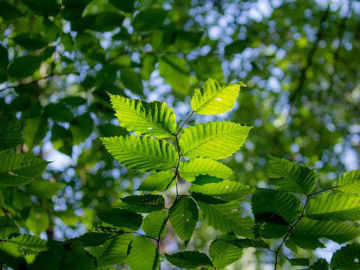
pixel 341 32
pixel 310 56
pixel 17 85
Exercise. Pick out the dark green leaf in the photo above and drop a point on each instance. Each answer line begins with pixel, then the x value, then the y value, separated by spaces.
pixel 24 66
pixel 44 8
pixel 30 41
pixel 10 133
pixel 143 254
pixel 189 259
pixel 143 203
pixel 183 216
pixel 347 257
pixel 149 19
pixel 121 218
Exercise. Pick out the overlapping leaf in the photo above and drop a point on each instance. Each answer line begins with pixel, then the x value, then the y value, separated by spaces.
pixel 29 243
pixel 19 169
pixel 121 218
pixel 307 232
pixel 214 140
pixel 143 203
pixel 183 216
pixel 227 218
pixel 348 257
pixel 223 253
pixel 154 118
pixel 10 134
pixel 349 182
pixel 334 206
pixel 189 259
pixel 154 224
pixel 215 98
pixel 225 189
pixel 143 254
pixel 195 167
pixel 275 206
pixel 158 182
pixel 292 177
pixel 143 153
pixel 113 251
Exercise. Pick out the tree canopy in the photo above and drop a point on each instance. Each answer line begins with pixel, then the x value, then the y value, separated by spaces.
pixel 179 133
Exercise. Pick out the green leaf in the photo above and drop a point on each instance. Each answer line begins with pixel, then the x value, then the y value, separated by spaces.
pixel 246 243
pixel 227 218
pixel 35 130
pixel 81 127
pixel 94 238
pixel 7 227
pixel 4 55
pixel 30 41
pixel 224 190
pixel 113 251
pixel 189 259
pixel 223 253
pixel 154 118
pixel 24 66
pixel 154 224
pixel 37 220
pixel 143 254
pixel 208 66
pixel 158 182
pixel 307 232
pixel 175 71
pixel 9 12
pixel 103 21
pixel 299 261
pixel 124 5
pixel 214 140
pixel 142 153
pixel 44 189
pixel 347 257
pixel 195 167
pixel 183 216
pixel 10 133
pixel 46 8
pixel 148 19
pixel 19 169
pixel 59 112
pixel 320 264
pixel 64 256
pixel 121 218
pixel 334 206
pixel 349 182
pixel 215 98
pixel 131 80
pixel 274 206
pixel 29 243
pixel 292 177
pixel 143 203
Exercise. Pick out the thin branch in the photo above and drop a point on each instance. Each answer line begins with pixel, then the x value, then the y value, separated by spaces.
pixel 14 86
pixel 310 56
pixel 336 57
pixel 324 190
pixel 184 123
pixel 291 228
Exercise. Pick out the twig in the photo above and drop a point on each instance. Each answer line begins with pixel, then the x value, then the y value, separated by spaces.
pixel 310 56
pixel 321 191
pixel 336 57
pixel 14 86
pixel 175 177
pixel 291 228
pixel 184 123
